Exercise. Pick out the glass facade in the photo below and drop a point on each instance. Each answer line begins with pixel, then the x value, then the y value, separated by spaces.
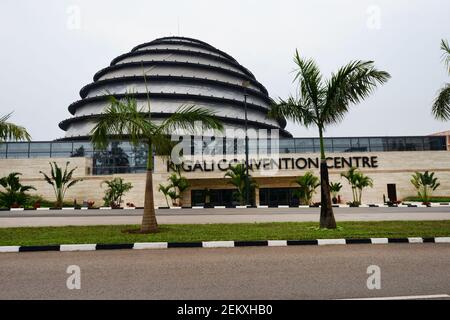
pixel 122 157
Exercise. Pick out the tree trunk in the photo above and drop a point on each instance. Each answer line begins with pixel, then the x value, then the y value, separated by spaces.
pixel 149 223
pixel 326 209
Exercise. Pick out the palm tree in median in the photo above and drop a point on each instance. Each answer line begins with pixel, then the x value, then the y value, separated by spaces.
pixel 325 102
pixel 123 118
pixel 11 131
pixel 441 106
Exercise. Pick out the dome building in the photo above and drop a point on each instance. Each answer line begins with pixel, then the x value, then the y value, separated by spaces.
pixel 178 71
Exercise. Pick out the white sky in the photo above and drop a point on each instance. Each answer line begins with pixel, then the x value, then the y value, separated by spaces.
pixel 46 61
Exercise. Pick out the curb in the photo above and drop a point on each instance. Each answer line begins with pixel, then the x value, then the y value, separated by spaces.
pixel 370 205
pixel 219 244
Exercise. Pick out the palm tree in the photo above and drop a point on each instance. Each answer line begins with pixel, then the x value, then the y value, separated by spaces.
pixel 11 131
pixel 441 105
pixel 425 184
pixel 335 187
pixel 124 119
pixel 358 182
pixel 14 194
pixel 60 181
pixel 308 184
pixel 165 190
pixel 238 178
pixel 115 191
pixel 325 102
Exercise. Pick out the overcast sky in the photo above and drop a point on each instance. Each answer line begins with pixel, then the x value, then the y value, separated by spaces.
pixel 48 51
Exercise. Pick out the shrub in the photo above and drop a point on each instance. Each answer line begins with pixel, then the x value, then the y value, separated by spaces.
pixel 425 184
pixel 115 191
pixel 14 194
pixel 60 181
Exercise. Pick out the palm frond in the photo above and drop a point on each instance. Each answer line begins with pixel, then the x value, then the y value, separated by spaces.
pixel 446 54
pixel 441 105
pixel 121 118
pixel 293 110
pixel 352 83
pixel 11 131
pixel 188 118
pixel 310 80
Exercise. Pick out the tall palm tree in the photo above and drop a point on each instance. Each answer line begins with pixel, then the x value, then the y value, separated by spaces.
pixel 11 131
pixel 124 119
pixel 325 102
pixel 441 105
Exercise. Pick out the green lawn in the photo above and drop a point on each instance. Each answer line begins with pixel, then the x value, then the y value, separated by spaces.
pixel 247 231
pixel 432 199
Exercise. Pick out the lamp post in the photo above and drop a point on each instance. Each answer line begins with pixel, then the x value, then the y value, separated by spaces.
pixel 247 184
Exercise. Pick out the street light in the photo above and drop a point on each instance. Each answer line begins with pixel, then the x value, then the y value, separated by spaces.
pixel 245 84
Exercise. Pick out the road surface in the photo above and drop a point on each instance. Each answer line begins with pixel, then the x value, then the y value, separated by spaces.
pixel 325 272
pixel 196 216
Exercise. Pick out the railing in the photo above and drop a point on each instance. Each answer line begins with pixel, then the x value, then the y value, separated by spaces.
pixel 122 157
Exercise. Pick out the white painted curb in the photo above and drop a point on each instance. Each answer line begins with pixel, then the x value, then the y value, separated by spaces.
pixel 129 208
pixel 442 240
pixel 324 242
pixel 9 248
pixel 68 208
pixel 150 245
pixel 277 243
pixel 105 208
pixel 219 207
pixel 218 244
pixel 197 207
pixel 241 207
pixel 16 209
pixel 283 206
pixel 77 247
pixel 262 207
pixel 415 240
pixel 42 209
pixel 379 240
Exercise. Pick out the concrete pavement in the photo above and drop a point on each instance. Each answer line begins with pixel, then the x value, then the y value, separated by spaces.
pixel 326 272
pixel 198 216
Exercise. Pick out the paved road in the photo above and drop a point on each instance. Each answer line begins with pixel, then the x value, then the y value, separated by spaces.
pixel 325 272
pixel 108 217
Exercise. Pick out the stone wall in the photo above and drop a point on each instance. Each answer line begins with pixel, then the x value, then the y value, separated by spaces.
pixel 393 167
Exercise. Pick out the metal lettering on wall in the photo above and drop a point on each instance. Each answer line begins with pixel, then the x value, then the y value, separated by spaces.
pixel 281 163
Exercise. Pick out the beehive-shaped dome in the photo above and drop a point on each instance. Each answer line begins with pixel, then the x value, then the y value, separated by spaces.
pixel 178 71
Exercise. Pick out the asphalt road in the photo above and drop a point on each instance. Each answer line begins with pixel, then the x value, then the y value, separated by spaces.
pixel 197 216
pixel 325 272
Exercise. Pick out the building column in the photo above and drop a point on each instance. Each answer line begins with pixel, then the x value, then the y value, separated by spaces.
pixel 256 196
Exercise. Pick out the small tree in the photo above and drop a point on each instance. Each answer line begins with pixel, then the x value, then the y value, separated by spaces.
pixel 60 181
pixel 307 187
pixel 425 184
pixel 238 176
pixel 335 188
pixel 179 184
pixel 165 190
pixel 15 193
pixel 116 189
pixel 358 182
